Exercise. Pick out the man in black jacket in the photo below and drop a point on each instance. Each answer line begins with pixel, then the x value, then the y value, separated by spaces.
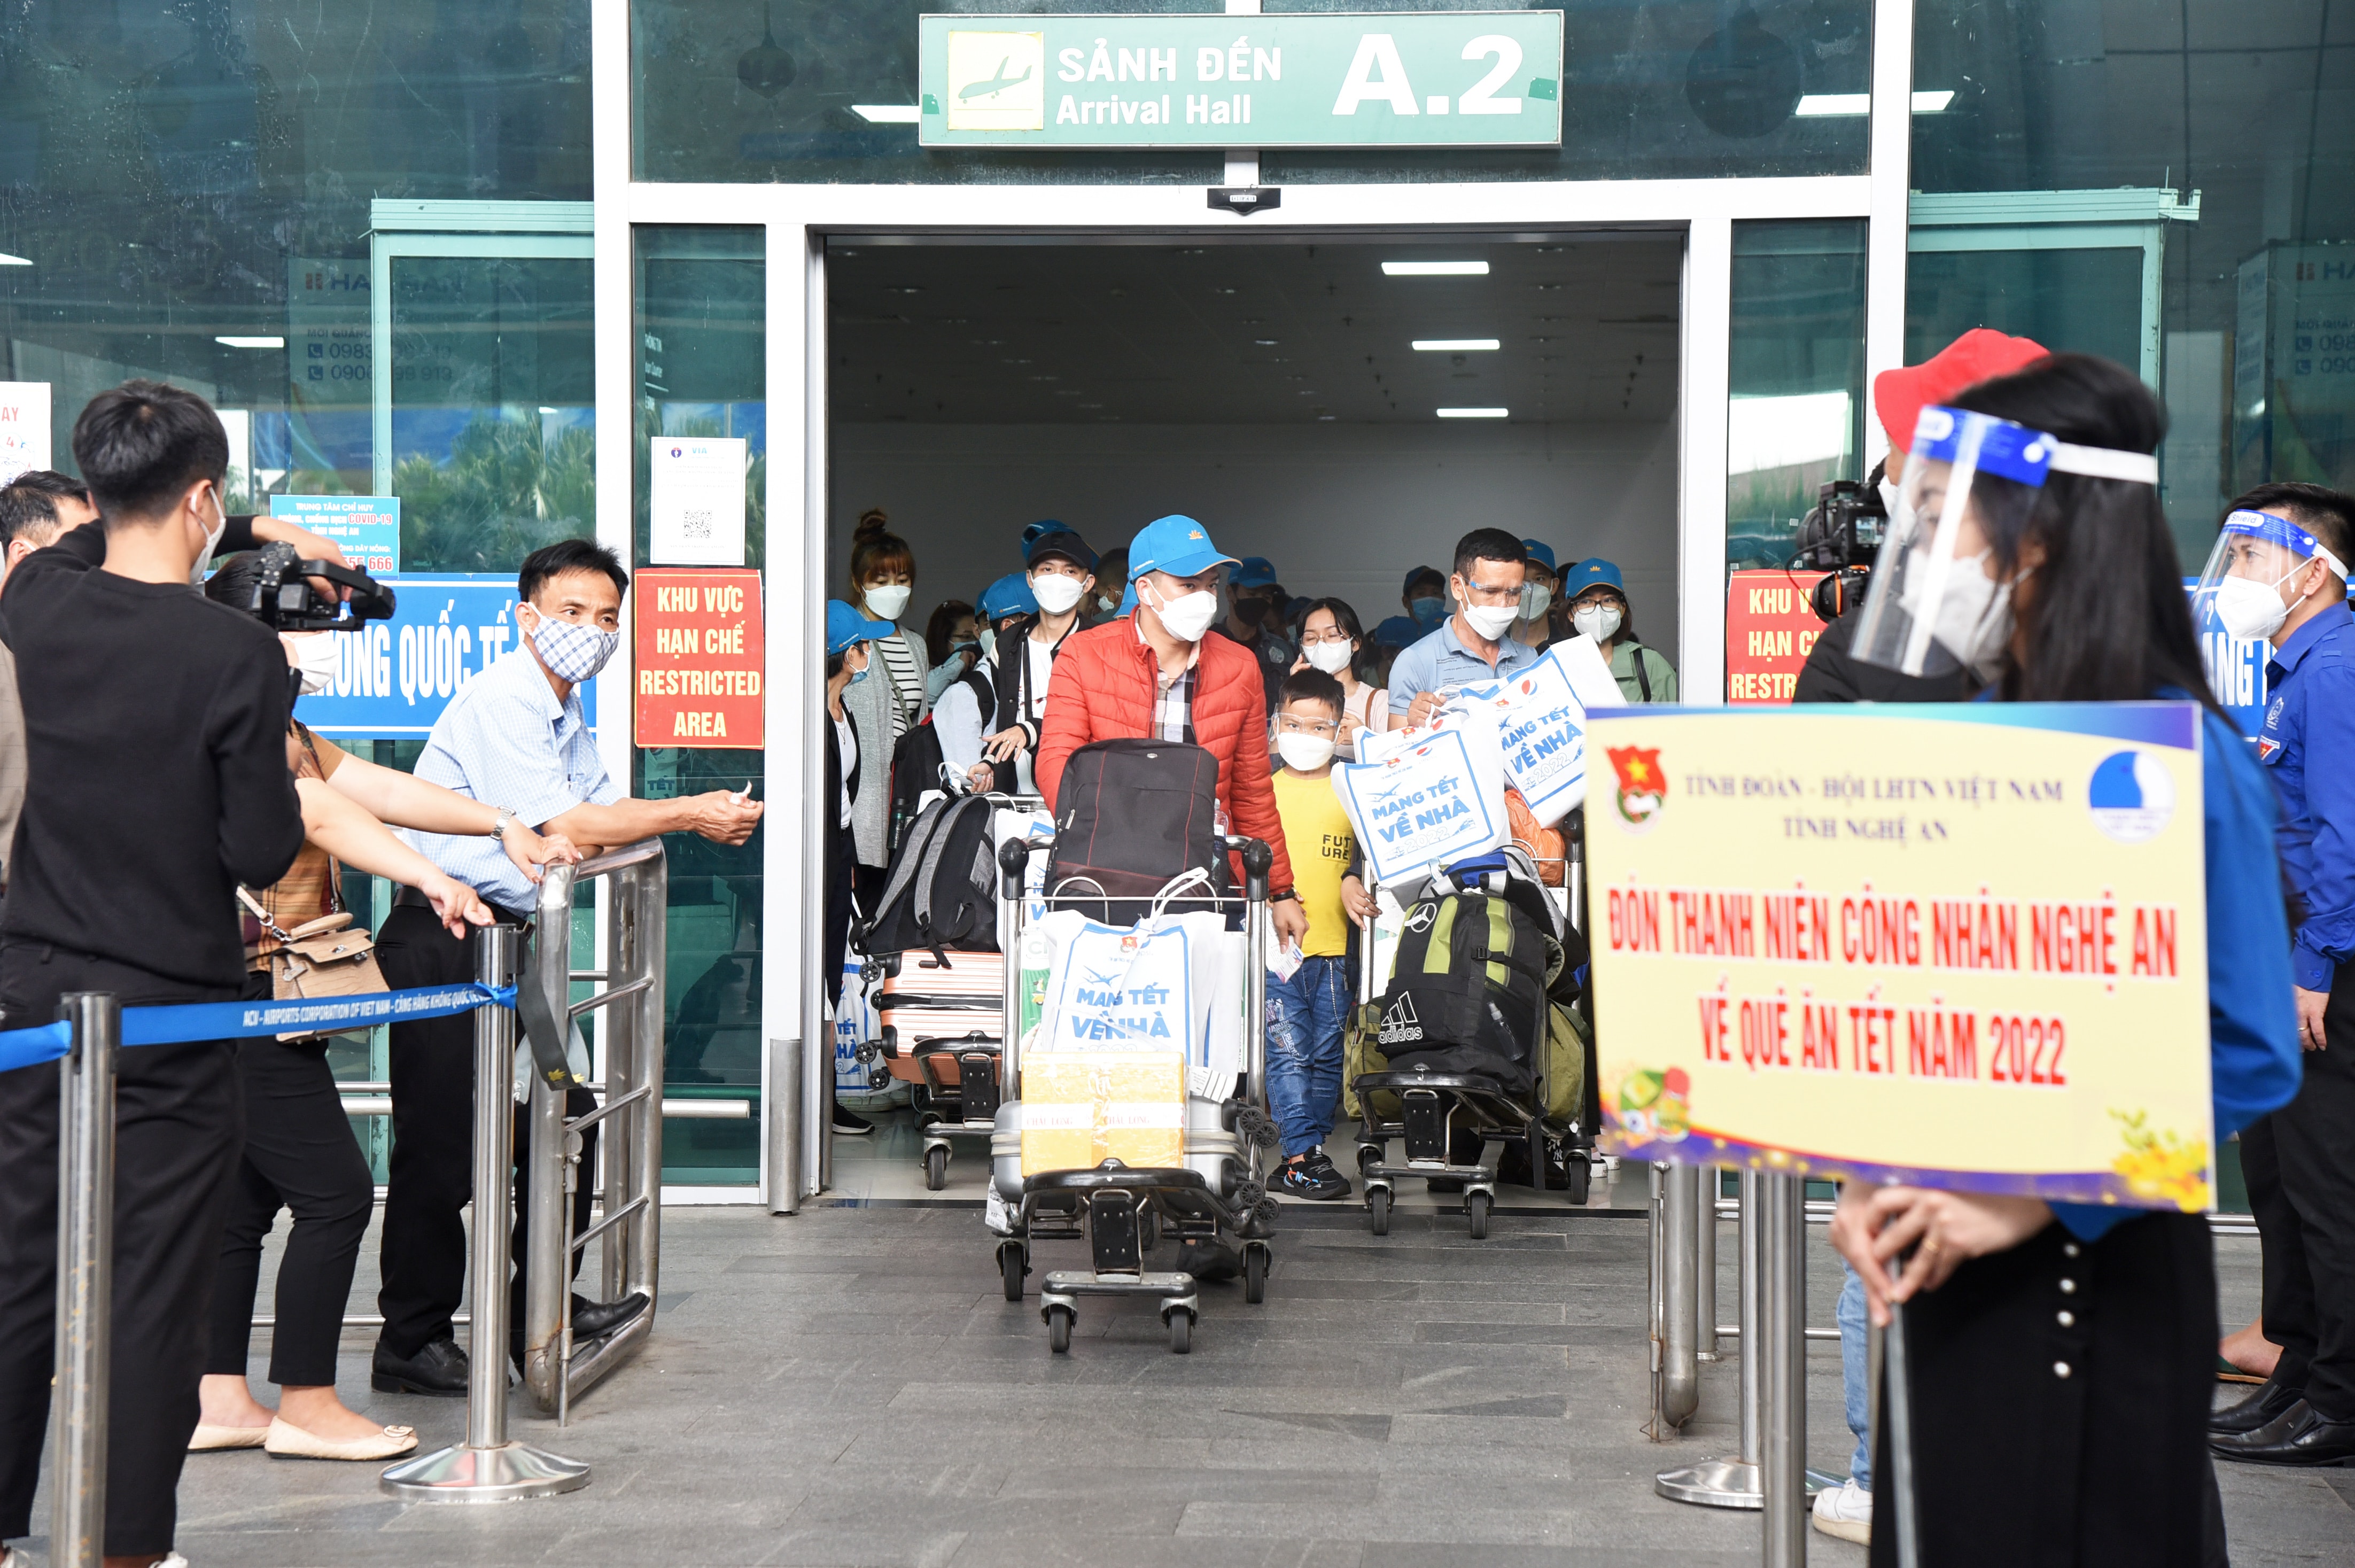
pixel 1062 570
pixel 155 725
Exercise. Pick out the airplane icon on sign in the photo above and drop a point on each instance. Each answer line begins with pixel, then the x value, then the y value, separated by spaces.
pixel 995 84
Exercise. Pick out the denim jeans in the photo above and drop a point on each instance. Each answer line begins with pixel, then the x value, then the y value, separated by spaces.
pixel 1856 1377
pixel 1305 1016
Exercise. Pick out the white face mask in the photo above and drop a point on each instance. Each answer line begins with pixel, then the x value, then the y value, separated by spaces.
pixel 212 543
pixel 1974 616
pixel 2250 609
pixel 886 604
pixel 1107 603
pixel 316 655
pixel 1055 592
pixel 1536 597
pixel 1890 495
pixel 1599 622
pixel 1303 754
pixel 1332 658
pixel 1490 621
pixel 1188 615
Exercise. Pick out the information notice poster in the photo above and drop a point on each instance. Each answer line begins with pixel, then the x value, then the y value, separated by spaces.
pixel 1770 630
pixel 700 659
pixel 1958 946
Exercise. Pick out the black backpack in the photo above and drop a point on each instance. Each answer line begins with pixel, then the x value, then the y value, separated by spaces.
pixel 1468 990
pixel 917 758
pixel 1134 816
pixel 942 891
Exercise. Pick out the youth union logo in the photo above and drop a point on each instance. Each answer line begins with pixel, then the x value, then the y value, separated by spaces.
pixel 2132 796
pixel 1643 787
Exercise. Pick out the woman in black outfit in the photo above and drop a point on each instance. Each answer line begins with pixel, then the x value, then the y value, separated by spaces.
pixel 848 636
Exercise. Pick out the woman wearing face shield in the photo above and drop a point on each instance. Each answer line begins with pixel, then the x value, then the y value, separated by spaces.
pixel 2030 546
pixel 1539 585
pixel 299 1150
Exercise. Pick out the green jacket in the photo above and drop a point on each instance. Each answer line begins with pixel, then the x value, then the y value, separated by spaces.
pixel 1657 673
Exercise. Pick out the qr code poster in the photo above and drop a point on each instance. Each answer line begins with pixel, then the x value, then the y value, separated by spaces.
pixel 698 501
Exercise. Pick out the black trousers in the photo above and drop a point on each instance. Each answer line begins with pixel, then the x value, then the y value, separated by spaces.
pixel 2105 1462
pixel 2300 1165
pixel 299 1153
pixel 432 1179
pixel 176 1137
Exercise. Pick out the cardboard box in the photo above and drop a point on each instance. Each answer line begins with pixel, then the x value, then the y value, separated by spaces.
pixel 1082 1107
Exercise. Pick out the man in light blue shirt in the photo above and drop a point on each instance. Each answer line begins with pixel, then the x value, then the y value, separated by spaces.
pixel 1473 646
pixel 516 738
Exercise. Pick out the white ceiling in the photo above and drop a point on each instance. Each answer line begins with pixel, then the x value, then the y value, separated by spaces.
pixel 1017 333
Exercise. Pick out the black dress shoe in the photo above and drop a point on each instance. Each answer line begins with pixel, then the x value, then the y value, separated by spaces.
pixel 2262 1408
pixel 595 1319
pixel 439 1371
pixel 2300 1435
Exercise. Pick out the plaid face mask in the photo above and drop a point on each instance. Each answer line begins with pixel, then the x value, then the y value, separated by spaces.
pixel 572 651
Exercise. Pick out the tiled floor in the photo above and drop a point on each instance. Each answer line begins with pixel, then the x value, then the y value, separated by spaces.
pixel 848 1386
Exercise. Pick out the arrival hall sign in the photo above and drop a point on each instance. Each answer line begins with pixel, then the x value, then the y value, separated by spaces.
pixel 1454 79
pixel 1960 945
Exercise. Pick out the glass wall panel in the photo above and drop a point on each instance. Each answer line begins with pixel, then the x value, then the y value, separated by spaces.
pixel 764 89
pixel 701 322
pixel 2232 288
pixel 1797 418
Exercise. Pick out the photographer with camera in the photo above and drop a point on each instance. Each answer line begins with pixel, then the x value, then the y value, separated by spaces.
pixel 515 739
pixel 1842 534
pixel 299 1149
pixel 156 729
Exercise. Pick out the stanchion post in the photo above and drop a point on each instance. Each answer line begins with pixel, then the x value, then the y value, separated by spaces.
pixel 782 1114
pixel 85 1279
pixel 487 1467
pixel 1783 1351
pixel 1750 1237
pixel 1705 1264
pixel 1680 1295
pixel 1731 1482
pixel 547 1289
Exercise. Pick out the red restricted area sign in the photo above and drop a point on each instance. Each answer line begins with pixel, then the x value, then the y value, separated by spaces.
pixel 699 658
pixel 1769 632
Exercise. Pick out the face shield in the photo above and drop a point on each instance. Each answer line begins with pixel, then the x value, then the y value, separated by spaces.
pixel 2258 572
pixel 1937 605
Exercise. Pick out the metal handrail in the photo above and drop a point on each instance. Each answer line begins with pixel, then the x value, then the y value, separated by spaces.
pixel 637 892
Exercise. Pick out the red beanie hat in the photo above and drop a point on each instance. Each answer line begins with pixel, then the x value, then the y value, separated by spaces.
pixel 1979 354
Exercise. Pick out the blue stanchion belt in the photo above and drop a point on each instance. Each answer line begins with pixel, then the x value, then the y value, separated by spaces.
pixel 227 1020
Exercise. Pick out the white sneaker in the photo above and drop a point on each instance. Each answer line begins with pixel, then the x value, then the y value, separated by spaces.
pixel 1845 1513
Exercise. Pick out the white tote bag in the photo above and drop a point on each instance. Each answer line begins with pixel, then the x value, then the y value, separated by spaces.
pixel 1428 806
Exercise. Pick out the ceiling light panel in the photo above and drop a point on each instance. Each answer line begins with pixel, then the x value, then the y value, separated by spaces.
pixel 1455 345
pixel 1435 269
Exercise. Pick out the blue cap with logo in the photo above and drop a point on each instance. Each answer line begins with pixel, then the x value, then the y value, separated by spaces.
pixel 1047 537
pixel 1593 573
pixel 1176 545
pixel 1009 595
pixel 1540 552
pixel 846 626
pixel 1419 574
pixel 1253 571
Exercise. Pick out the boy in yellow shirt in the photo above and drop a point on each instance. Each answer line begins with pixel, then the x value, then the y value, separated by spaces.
pixel 1307 1011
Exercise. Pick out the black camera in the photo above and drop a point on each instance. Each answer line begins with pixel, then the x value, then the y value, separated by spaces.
pixel 1841 538
pixel 286 599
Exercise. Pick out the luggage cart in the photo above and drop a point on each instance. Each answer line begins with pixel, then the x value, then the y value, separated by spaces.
pixel 1214 1215
pixel 1433 1107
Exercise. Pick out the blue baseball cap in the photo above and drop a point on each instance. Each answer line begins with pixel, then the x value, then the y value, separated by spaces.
pixel 1009 595
pixel 1421 573
pixel 1176 545
pixel 1251 571
pixel 1540 553
pixel 846 626
pixel 1049 537
pixel 1593 573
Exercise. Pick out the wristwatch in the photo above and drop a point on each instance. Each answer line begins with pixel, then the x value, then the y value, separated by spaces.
pixel 499 828
pixel 1287 893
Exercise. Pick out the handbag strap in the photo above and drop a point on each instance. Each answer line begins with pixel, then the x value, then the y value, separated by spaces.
pixel 253 906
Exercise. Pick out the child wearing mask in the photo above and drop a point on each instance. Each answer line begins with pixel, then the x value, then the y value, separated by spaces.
pixel 1307 1011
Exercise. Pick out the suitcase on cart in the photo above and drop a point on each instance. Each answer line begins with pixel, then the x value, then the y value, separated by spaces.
pixel 943 1028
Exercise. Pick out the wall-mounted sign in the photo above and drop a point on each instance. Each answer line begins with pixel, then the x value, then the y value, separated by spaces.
pixel 1770 630
pixel 695 500
pixel 701 656
pixel 367 526
pixel 23 428
pixel 1454 79
pixel 395 677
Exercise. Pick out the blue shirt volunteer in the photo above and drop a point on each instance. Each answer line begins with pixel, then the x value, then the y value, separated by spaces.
pixel 2308 741
pixel 1442 660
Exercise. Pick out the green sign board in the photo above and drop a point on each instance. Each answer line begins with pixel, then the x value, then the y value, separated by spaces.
pixel 1450 78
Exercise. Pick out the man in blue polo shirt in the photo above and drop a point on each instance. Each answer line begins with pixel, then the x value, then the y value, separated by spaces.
pixel 1473 646
pixel 2279 571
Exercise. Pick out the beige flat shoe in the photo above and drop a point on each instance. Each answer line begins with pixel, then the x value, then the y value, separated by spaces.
pixel 287 1441
pixel 209 1438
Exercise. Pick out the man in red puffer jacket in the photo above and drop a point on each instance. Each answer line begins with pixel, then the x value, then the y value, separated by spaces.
pixel 1155 675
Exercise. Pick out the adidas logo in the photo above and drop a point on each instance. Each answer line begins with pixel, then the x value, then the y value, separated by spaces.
pixel 1398 1024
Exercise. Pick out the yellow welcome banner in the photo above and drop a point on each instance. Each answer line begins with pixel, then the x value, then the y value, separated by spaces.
pixel 1960 945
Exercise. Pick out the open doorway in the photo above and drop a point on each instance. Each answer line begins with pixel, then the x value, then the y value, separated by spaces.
pixel 1345 408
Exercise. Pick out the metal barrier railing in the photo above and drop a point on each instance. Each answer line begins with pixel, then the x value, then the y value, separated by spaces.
pixel 487 1467
pixel 637 894
pixel 85 1279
